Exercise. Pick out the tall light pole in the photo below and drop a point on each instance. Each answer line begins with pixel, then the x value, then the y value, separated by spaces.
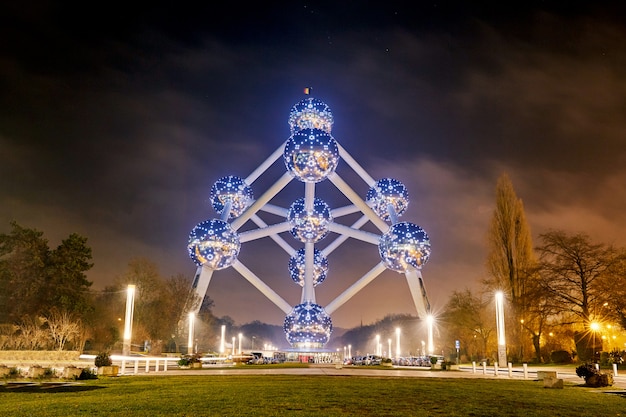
pixel 128 322
pixel 430 321
pixel 389 348
pixel 190 335
pixel 240 337
pixel 500 328
pixel 397 342
pixel 233 345
pixel 222 347
pixel 378 344
pixel 350 350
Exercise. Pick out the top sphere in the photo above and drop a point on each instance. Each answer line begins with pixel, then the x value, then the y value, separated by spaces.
pixel 310 113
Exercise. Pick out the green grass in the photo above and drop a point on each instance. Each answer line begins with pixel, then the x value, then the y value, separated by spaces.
pixel 320 396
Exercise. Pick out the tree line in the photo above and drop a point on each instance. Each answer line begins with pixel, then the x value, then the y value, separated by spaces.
pixel 563 294
pixel 559 292
pixel 46 300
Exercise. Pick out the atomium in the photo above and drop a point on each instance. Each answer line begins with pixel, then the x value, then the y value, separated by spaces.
pixel 311 155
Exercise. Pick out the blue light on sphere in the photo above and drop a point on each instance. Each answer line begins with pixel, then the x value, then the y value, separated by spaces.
pixel 233 190
pixel 309 225
pixel 385 192
pixel 311 155
pixel 310 113
pixel 214 243
pixel 297 267
pixel 405 246
pixel 308 326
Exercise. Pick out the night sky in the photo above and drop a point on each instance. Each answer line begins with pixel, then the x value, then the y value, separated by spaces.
pixel 115 120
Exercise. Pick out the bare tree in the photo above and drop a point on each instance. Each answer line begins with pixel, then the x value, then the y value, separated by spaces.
pixel 510 260
pixel 31 335
pixel 63 326
pixel 574 272
pixel 470 319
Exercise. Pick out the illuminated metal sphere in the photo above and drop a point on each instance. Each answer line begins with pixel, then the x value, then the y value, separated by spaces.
pixel 405 246
pixel 309 225
pixel 310 113
pixel 311 155
pixel 385 192
pixel 308 326
pixel 234 191
pixel 297 267
pixel 213 243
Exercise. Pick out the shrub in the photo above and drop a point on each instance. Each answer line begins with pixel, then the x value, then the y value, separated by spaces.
pixel 49 373
pixel 14 373
pixel 184 361
pixel 593 377
pixel 87 374
pixel 103 359
pixel 561 356
pixel 187 360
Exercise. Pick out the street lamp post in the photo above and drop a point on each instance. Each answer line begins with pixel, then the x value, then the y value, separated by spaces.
pixel 128 323
pixel 378 344
pixel 500 328
pixel 397 342
pixel 389 350
pixel 222 344
pixel 190 335
pixel 430 321
pixel 240 337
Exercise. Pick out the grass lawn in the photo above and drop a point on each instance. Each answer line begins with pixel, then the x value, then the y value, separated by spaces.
pixel 297 395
